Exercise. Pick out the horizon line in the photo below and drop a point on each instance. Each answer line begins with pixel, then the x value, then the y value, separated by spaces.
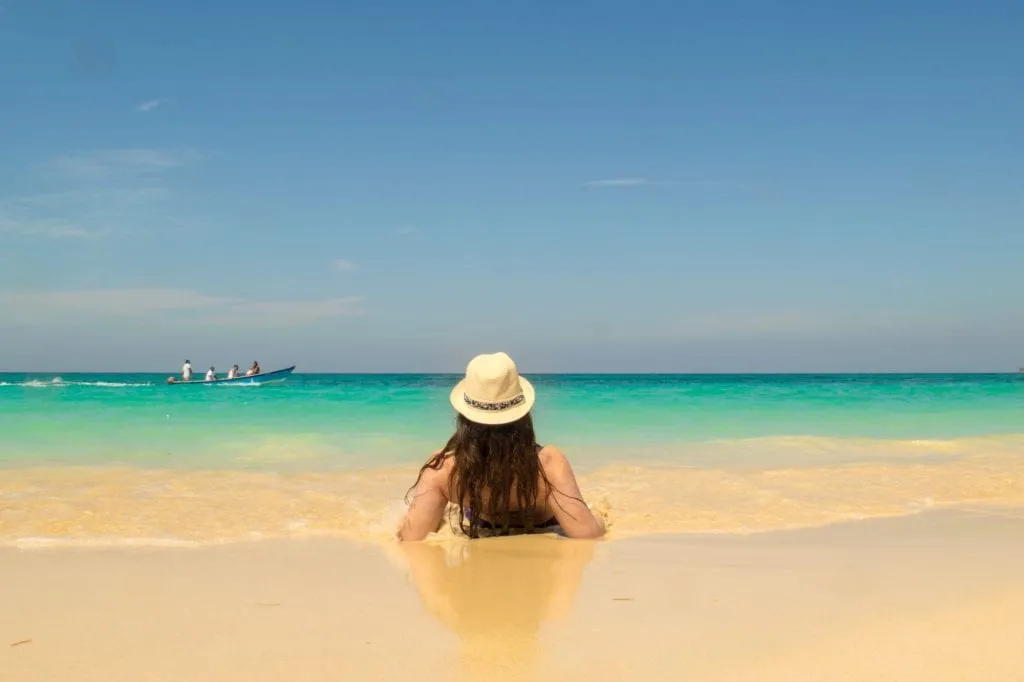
pixel 575 373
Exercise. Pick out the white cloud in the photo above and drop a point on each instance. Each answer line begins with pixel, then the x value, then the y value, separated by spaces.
pixel 342 265
pixel 56 307
pixel 407 230
pixel 150 105
pixel 620 182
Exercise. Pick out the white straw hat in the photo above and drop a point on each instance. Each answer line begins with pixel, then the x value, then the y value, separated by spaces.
pixel 492 392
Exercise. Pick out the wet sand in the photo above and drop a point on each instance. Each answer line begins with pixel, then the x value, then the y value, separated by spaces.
pixel 119 505
pixel 933 597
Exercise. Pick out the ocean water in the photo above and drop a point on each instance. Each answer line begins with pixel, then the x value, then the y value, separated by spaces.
pixel 126 458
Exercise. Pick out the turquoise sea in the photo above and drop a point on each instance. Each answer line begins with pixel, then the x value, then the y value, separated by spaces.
pixel 347 434
pixel 363 420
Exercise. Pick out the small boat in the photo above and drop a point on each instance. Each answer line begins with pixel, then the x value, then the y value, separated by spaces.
pixel 277 376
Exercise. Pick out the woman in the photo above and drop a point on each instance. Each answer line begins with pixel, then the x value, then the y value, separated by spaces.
pixel 493 470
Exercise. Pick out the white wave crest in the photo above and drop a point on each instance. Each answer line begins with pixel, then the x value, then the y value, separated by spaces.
pixel 57 382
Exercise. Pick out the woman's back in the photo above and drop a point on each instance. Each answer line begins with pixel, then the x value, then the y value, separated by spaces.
pixel 532 510
pixel 492 468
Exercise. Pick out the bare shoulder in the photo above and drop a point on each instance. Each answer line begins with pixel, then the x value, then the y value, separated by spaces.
pixel 437 475
pixel 445 459
pixel 553 459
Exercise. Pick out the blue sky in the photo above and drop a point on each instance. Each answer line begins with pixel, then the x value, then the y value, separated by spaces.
pixel 590 186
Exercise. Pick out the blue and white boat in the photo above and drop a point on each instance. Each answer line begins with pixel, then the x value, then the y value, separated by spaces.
pixel 261 379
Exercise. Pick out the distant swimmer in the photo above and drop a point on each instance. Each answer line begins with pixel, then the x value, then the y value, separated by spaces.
pixel 186 371
pixel 233 372
pixel 254 370
pixel 211 375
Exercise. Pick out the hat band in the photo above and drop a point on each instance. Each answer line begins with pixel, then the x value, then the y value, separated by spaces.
pixel 494 406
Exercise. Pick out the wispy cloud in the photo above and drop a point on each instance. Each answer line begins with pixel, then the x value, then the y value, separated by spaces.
pixel 649 182
pixel 286 313
pixel 57 307
pixel 51 229
pixel 342 265
pixel 619 182
pixel 407 230
pixel 110 163
pixel 113 302
pixel 801 323
pixel 76 214
pixel 150 105
pixel 17 223
pixel 96 193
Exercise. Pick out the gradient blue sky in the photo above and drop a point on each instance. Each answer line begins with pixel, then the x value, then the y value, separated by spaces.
pixel 590 186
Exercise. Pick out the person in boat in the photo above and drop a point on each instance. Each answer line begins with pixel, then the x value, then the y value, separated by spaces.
pixel 254 370
pixel 233 372
pixel 186 371
pixel 492 470
pixel 211 375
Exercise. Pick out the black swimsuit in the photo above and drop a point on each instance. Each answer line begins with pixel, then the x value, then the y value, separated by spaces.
pixel 519 527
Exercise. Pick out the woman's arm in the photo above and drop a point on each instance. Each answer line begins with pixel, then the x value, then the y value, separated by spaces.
pixel 565 498
pixel 426 511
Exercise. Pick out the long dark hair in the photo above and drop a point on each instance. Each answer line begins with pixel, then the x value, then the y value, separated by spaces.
pixel 500 460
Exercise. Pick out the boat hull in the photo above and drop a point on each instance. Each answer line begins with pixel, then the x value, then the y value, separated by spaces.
pixel 264 378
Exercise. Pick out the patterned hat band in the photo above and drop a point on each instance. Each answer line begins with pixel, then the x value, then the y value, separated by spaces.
pixel 494 406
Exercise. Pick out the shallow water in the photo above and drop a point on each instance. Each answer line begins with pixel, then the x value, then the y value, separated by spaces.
pixel 125 458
